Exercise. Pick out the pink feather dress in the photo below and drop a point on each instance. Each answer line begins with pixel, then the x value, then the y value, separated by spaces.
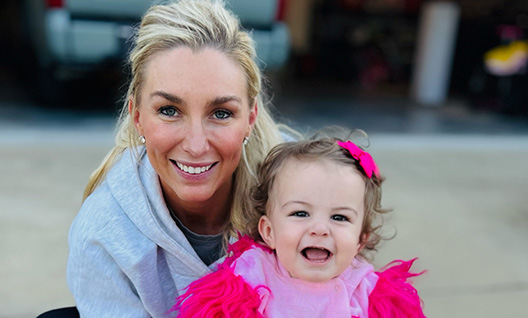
pixel 252 283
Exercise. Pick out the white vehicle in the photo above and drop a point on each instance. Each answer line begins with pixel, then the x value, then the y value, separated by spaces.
pixel 73 37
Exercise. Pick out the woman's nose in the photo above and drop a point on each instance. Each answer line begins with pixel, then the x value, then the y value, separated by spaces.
pixel 195 139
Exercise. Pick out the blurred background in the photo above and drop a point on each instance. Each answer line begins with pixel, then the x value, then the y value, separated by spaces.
pixel 441 87
pixel 424 51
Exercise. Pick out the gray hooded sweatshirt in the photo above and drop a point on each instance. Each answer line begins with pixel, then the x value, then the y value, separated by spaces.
pixel 127 256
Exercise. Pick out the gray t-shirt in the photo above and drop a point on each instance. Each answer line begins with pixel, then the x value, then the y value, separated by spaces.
pixel 208 247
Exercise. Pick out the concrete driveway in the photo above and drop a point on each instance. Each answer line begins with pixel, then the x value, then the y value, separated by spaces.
pixel 459 200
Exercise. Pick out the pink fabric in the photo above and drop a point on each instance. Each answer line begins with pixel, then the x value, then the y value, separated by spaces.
pixel 394 296
pixel 221 295
pixel 252 284
pixel 344 296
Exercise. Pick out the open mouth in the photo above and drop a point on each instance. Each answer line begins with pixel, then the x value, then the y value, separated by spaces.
pixel 193 169
pixel 316 254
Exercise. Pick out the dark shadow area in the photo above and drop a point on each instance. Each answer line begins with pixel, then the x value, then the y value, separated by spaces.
pixel 356 73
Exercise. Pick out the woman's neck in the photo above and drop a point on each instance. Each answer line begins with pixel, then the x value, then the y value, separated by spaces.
pixel 206 217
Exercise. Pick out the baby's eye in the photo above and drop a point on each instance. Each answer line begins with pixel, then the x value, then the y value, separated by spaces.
pixel 340 218
pixel 169 111
pixel 301 214
pixel 222 114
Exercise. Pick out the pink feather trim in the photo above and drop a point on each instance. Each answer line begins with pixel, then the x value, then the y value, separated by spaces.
pixel 393 296
pixel 222 294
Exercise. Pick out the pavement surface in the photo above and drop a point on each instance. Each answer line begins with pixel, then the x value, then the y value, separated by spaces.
pixel 457 182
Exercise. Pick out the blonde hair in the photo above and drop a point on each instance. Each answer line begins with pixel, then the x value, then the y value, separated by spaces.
pixel 324 148
pixel 197 24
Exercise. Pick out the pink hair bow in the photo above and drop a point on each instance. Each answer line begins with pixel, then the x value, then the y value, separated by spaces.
pixel 364 158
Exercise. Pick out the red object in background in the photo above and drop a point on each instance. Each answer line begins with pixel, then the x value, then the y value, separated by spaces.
pixel 412 6
pixel 281 12
pixel 409 6
pixel 352 5
pixel 55 3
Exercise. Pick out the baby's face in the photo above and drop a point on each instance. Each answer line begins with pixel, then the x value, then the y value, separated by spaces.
pixel 314 218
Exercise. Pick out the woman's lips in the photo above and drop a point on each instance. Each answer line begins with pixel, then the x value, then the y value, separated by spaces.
pixel 193 169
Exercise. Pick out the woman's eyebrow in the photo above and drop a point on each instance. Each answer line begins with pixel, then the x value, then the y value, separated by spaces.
pixel 170 97
pixel 177 100
pixel 226 99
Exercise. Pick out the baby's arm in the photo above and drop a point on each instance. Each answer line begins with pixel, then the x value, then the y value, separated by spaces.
pixel 394 296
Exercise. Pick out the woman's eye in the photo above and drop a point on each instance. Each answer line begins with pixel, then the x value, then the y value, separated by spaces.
pixel 340 218
pixel 168 111
pixel 222 114
pixel 301 214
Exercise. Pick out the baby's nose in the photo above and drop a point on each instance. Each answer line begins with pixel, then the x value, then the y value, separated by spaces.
pixel 319 228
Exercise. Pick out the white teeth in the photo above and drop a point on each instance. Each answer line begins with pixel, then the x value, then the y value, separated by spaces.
pixel 193 170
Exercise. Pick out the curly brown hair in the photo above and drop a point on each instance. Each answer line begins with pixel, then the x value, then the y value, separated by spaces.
pixel 325 148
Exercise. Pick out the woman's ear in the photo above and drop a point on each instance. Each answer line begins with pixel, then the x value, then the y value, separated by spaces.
pixel 253 116
pixel 134 113
pixel 266 231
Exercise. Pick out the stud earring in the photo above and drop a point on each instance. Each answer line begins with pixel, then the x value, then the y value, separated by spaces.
pixel 142 139
pixel 246 140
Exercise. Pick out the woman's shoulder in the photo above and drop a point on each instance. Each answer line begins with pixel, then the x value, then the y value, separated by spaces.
pixel 106 206
pixel 97 212
pixel 126 166
pixel 120 188
pixel 103 225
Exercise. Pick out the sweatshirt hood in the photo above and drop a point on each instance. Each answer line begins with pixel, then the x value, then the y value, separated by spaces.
pixel 147 199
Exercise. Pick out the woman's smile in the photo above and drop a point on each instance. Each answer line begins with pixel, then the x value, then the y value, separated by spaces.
pixel 193 169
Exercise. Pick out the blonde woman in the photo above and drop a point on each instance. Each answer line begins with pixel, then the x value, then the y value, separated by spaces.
pixel 159 209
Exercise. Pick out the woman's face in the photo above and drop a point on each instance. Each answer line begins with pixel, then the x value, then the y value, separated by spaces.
pixel 194 113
